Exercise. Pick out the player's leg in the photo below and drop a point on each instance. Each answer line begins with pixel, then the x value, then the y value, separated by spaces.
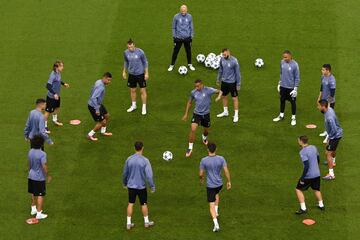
pixel 282 105
pixel 129 211
pixel 33 200
pixel 293 110
pixel 144 207
pixel 46 117
pixel 177 45
pixel 225 90
pixel 319 199
pixel 133 99
pixel 329 158
pixel 104 124
pixel 236 109
pixel 40 193
pixel 143 99
pixel 301 199
pixel 211 193
pixel 193 128
pixel 205 135
pixel 205 122
pixel 187 45
pixel 217 201
pixel 56 112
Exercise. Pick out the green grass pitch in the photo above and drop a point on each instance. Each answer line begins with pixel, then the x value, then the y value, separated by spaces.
pixel 86 200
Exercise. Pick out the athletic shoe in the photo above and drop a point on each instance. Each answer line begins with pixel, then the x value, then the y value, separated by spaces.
pixel 191 67
pixel 321 208
pixel 47 131
pixel 326 139
pixel 223 114
pixel 41 215
pixel 216 229
pixel 107 134
pixel 278 118
pixel 132 108
pixel 91 138
pixel 130 226
pixel 149 224
pixel 143 112
pixel 300 211
pixel 329 177
pixel 188 152
pixel 293 122
pixel 236 119
pixel 323 134
pixel 171 67
pixel 58 123
pixel 205 141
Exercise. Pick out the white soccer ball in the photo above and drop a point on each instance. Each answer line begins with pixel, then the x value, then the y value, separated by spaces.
pixel 208 63
pixel 215 64
pixel 200 58
pixel 167 156
pixel 211 55
pixel 259 63
pixel 182 70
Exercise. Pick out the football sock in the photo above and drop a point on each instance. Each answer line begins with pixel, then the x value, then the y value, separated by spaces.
pixel 281 114
pixel 191 145
pixel 331 171
pixel 146 219
pixel 133 104
pixel 215 222
pixel 236 112
pixel 46 124
pixel 54 117
pixel 226 109
pixel 128 220
pixel 91 133
pixel 204 137
pixel 293 117
pixel 216 209
pixel 333 160
pixel 33 208
pixel 103 130
pixel 144 106
pixel 39 213
pixel 321 204
pixel 303 206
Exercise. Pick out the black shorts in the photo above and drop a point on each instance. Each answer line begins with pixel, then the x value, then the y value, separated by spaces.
pixel 314 183
pixel 141 193
pixel 333 143
pixel 332 105
pixel 37 188
pixel 285 94
pixel 211 193
pixel 227 88
pixel 101 116
pixel 52 104
pixel 203 120
pixel 135 80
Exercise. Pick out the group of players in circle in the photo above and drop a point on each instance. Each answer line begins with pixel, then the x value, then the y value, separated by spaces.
pixel 137 170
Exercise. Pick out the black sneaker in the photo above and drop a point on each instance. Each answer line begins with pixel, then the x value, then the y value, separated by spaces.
pixel 321 208
pixel 300 212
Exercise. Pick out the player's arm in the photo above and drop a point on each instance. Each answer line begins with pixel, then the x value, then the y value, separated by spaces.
pixel 220 93
pixel 297 76
pixel 305 170
pixel 174 28
pixel 187 108
pixel 320 94
pixel 146 66
pixel 220 72
pixel 237 75
pixel 149 176
pixel 227 175
pixel 125 66
pixel 45 168
pixel 27 129
pixel 43 132
pixel 192 28
pixel 278 86
pixel 201 175
pixel 125 175
pixel 65 84
pixel 49 85
pixel 95 100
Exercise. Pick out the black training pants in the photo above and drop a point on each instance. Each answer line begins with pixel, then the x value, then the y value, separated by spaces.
pixel 285 95
pixel 177 45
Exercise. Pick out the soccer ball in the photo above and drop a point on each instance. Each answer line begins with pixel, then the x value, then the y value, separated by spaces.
pixel 215 64
pixel 259 63
pixel 167 155
pixel 200 58
pixel 182 70
pixel 211 56
pixel 208 63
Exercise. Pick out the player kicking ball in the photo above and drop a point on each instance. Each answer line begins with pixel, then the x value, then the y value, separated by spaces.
pixel 97 109
pixel 310 176
pixel 202 97
pixel 212 166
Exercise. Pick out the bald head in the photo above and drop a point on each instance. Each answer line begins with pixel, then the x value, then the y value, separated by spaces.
pixel 183 9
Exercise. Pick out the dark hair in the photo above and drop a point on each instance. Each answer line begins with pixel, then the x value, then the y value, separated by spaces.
pixel 224 50
pixel 107 75
pixel 37 142
pixel 287 52
pixel 211 147
pixel 304 139
pixel 138 145
pixel 198 81
pixel 327 66
pixel 57 64
pixel 130 41
pixel 323 102
pixel 39 101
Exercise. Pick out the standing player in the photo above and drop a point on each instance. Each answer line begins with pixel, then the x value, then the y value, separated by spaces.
pixel 230 79
pixel 53 95
pixel 288 85
pixel 136 64
pixel 136 170
pixel 327 91
pixel 35 124
pixel 183 33
pixel 212 165
pixel 335 134
pixel 38 171
pixel 310 176
pixel 97 109
pixel 202 97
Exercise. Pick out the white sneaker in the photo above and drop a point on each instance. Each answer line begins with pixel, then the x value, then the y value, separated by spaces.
pixel 223 114
pixel 191 67
pixel 326 139
pixel 132 108
pixel 216 229
pixel 171 67
pixel 41 215
pixel 323 134
pixel 33 211
pixel 236 118
pixel 293 122
pixel 143 112
pixel 278 118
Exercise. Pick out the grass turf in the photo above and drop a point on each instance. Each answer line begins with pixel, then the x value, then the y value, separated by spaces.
pixel 85 199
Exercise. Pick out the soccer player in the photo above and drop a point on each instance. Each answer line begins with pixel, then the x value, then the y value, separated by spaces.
pixel 35 124
pixel 230 79
pixel 335 134
pixel 136 64
pixel 38 172
pixel 327 91
pixel 137 170
pixel 310 176
pixel 212 165
pixel 183 33
pixel 53 95
pixel 97 109
pixel 202 97
pixel 288 85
